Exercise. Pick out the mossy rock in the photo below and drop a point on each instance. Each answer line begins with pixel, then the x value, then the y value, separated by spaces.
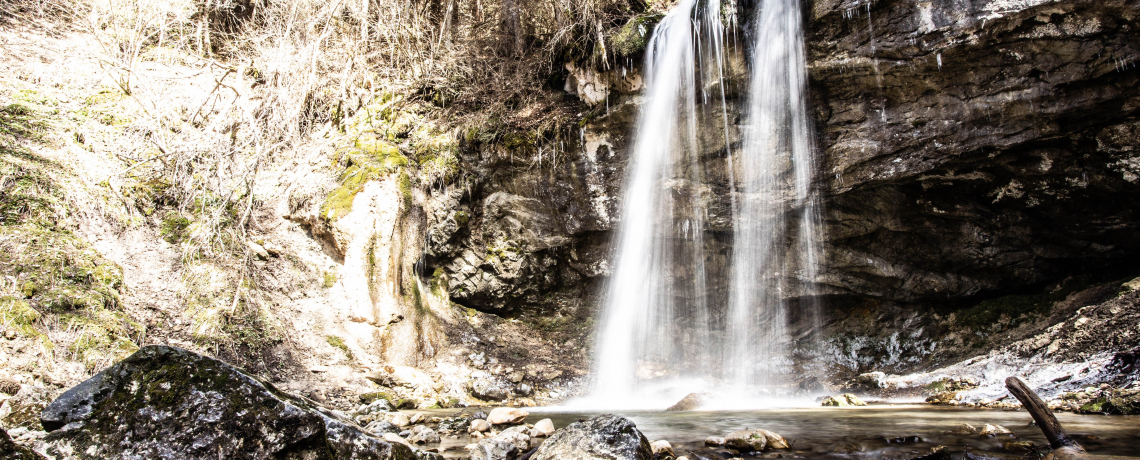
pixel 1014 307
pixel 369 158
pixel 1115 402
pixel 1094 407
pixel 165 402
pixel 339 344
pixel 634 36
pixel 369 398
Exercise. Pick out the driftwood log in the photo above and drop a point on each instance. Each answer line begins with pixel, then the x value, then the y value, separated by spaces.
pixel 1041 414
pixel 1064 447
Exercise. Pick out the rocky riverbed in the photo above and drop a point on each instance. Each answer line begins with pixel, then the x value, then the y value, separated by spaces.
pixel 165 402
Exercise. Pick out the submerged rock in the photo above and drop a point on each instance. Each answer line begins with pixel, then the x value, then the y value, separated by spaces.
pixel 605 437
pixel 754 440
pixel 165 402
pixel 993 430
pixel 1018 445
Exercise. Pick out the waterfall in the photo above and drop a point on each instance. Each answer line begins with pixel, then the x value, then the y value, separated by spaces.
pixel 661 333
pixel 775 174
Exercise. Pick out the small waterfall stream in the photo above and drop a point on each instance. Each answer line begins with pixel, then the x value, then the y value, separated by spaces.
pixel 662 332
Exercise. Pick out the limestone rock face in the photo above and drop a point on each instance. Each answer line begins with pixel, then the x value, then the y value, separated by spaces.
pixel 165 402
pixel 970 150
pixel 606 436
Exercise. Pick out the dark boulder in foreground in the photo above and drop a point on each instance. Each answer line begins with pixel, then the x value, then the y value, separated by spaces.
pixel 605 437
pixel 165 402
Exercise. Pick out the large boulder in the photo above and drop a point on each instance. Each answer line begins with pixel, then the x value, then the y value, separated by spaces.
pixel 605 437
pixel 169 403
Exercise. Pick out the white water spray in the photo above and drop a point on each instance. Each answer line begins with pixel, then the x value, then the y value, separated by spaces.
pixel 659 336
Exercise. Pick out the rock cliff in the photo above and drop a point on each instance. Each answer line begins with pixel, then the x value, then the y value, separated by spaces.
pixel 969 150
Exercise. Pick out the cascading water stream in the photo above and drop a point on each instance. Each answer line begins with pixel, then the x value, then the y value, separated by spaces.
pixel 662 334
pixel 775 183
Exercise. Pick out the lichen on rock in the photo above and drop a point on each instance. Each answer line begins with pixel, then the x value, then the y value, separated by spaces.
pixel 165 402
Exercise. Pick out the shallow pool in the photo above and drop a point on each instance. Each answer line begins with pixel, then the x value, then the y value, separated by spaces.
pixel 878 431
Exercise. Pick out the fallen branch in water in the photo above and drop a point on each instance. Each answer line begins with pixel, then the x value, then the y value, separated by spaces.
pixel 1064 446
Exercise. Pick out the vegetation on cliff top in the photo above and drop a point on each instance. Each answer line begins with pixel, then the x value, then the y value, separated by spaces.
pixel 55 286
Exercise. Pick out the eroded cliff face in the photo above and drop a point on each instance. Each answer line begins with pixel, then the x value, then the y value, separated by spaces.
pixel 968 150
pixel 972 148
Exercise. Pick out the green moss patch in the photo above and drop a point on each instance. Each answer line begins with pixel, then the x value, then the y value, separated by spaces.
pixel 391 136
pixel 18 314
pixel 339 343
pixel 103 336
pixel 369 158
pixel 175 228
pixel 328 279
pixel 1017 308
pixel 56 271
pixel 634 36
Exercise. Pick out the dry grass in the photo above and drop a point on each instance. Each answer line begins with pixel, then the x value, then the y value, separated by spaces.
pixel 208 93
